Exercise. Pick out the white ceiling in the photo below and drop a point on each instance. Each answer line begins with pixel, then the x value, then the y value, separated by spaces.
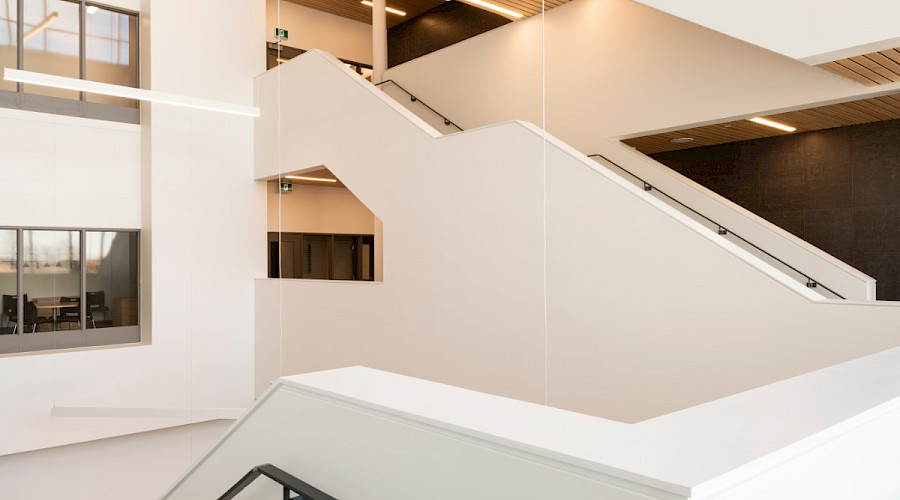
pixel 812 31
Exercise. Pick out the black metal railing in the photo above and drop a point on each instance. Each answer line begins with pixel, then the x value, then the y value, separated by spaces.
pixel 413 98
pixel 722 230
pixel 288 482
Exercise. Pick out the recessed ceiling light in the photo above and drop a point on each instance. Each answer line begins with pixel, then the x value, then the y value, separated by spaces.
pixel 682 140
pixel 304 178
pixel 389 9
pixel 770 123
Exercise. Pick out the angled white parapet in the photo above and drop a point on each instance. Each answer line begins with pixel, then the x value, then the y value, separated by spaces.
pixel 363 433
pixel 840 277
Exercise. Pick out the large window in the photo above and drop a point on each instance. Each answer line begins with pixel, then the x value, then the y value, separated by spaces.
pixel 66 288
pixel 75 39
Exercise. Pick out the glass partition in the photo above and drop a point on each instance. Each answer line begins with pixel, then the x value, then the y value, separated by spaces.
pixel 68 288
pixel 51 36
pixel 111 276
pixel 8 281
pixel 51 277
pixel 8 40
pixel 110 55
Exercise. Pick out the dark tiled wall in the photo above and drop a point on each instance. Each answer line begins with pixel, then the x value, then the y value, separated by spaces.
pixel 442 26
pixel 838 189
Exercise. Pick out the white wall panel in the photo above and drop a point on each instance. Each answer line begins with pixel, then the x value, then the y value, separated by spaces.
pixel 648 311
pixel 185 178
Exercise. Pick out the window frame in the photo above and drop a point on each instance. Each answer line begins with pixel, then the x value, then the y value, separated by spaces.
pixel 19 99
pixel 82 231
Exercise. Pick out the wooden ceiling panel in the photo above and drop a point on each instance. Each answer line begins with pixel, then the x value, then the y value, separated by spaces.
pixel 805 120
pixel 875 68
pixel 355 10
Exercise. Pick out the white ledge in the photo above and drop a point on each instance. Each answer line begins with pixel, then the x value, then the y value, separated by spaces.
pixel 698 451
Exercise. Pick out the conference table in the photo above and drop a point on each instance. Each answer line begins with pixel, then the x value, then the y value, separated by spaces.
pixel 54 304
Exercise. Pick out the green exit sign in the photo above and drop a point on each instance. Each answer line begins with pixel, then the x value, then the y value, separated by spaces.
pixel 281 33
pixel 286 187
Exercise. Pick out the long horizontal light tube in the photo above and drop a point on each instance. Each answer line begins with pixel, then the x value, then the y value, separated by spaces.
pixel 495 8
pixel 62 82
pixel 388 9
pixel 770 123
pixel 314 179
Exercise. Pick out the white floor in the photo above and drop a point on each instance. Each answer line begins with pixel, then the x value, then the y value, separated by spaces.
pixel 139 466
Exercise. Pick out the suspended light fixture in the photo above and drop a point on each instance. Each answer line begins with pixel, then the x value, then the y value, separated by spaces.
pixel 41 27
pixel 91 87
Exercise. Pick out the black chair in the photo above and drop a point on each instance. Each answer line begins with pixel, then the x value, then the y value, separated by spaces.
pixel 96 303
pixel 9 310
pixel 31 317
pixel 69 314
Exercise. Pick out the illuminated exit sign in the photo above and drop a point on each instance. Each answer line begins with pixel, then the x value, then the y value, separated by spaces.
pixel 281 33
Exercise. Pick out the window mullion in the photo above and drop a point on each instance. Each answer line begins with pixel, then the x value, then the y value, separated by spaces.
pixel 82 44
pixel 20 40
pixel 82 247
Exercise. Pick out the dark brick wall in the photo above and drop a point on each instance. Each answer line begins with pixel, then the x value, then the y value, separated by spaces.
pixel 838 189
pixel 442 26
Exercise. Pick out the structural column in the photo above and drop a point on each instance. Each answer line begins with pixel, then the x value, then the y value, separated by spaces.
pixel 379 39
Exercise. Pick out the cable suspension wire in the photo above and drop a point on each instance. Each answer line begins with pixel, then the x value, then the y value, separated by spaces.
pixel 544 199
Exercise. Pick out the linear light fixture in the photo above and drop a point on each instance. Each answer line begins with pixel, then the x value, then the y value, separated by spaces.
pixel 41 27
pixel 304 178
pixel 495 8
pixel 770 123
pixel 389 9
pixel 62 82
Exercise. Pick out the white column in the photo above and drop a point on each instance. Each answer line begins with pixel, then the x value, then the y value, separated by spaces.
pixel 379 39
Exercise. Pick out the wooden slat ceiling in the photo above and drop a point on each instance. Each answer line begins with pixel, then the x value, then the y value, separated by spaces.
pixel 835 115
pixel 353 9
pixel 875 68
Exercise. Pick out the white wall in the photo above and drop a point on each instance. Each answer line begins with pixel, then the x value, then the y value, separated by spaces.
pixel 68 172
pixel 614 68
pixel 811 30
pixel 140 466
pixel 313 29
pixel 647 311
pixel 317 209
pixel 185 178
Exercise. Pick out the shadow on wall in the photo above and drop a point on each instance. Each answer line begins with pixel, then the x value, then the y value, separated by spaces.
pixel 838 189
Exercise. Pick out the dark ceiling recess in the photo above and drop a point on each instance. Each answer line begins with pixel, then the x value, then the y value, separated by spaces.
pixel 442 26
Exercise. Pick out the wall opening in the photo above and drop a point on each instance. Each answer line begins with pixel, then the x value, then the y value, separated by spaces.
pixel 318 229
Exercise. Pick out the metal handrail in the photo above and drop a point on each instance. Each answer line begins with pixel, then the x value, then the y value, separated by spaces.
pixel 810 282
pixel 413 98
pixel 287 481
